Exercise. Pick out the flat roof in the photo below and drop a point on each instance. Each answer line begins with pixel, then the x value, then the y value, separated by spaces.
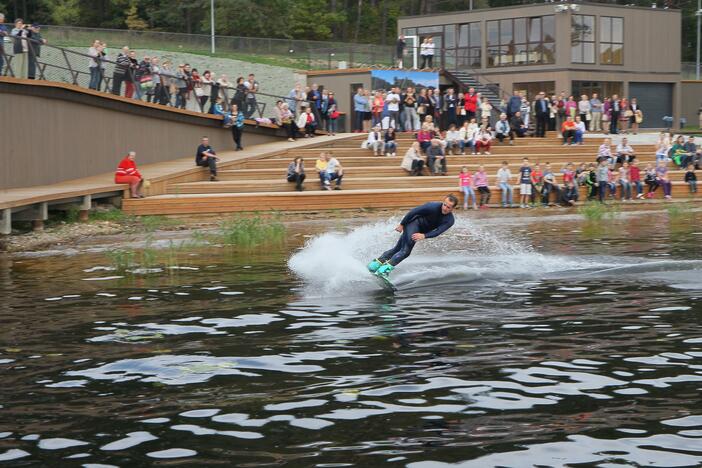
pixel 519 7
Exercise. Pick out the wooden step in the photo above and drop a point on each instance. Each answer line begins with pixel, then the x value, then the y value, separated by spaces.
pixel 313 183
pixel 312 200
pixel 513 160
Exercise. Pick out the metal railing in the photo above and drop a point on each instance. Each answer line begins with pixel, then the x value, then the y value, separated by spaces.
pixel 48 62
pixel 308 55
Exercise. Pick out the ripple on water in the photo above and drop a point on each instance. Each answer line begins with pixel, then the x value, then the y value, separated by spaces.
pixel 172 453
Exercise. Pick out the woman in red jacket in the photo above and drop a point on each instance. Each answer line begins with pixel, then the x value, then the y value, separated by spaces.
pixel 127 173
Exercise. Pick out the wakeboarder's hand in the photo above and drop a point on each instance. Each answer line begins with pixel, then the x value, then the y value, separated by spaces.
pixel 417 236
pixel 399 228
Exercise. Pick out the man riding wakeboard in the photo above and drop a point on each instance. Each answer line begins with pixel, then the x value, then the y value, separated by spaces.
pixel 423 222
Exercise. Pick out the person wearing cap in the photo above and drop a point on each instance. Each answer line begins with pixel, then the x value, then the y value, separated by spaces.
pixel 34 50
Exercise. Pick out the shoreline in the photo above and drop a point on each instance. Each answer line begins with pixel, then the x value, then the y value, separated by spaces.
pixel 104 235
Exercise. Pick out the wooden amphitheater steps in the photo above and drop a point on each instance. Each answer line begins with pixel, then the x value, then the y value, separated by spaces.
pixel 258 184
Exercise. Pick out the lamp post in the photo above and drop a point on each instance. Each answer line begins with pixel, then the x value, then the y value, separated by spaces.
pixel 697 61
pixel 212 27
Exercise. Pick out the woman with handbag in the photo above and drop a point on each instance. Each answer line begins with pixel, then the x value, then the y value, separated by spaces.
pixel 624 116
pixel 636 115
pixel 332 115
pixel 606 115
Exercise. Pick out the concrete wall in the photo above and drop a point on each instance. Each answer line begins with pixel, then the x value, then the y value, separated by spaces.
pixel 51 132
pixel 691 101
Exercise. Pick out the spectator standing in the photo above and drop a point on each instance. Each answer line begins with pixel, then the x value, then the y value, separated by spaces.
pixel 20 62
pixel 237 126
pixel 410 110
pixel 465 184
pixel 525 109
pixel 393 101
pixel 3 35
pixel 331 113
pixel 296 173
pixel 607 115
pixel 182 83
pixel 625 115
pixel 400 50
pixel 296 97
pixel 127 173
pixel 580 130
pixel 205 156
pixel 504 177
pixel 198 89
pixel 485 113
pixel 449 107
pixel 119 75
pixel 427 52
pixel 525 184
pixel 314 98
pixel 596 108
pixel 96 64
pixel 615 112
pixel 542 111
pixel 514 104
pixel 35 43
pixel 422 106
pixel 471 104
pixel 252 88
pixel 602 177
pixel 130 82
pixel 636 115
pixel 571 108
pixel 359 106
pixel 481 183
pixel 585 110
pixel 367 111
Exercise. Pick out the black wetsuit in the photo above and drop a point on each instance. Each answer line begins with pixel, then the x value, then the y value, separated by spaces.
pixel 427 219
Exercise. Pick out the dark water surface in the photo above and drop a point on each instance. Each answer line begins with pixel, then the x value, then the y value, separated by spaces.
pixel 527 342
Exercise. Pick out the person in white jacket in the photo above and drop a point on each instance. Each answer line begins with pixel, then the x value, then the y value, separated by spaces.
pixel 374 142
pixel 413 162
pixel 306 122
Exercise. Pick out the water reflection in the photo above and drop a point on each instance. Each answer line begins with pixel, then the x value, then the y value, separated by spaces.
pixel 520 348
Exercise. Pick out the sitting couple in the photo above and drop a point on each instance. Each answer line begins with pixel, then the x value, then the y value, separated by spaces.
pixel 329 168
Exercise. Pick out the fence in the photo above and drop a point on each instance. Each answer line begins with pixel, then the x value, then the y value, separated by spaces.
pixel 60 64
pixel 309 55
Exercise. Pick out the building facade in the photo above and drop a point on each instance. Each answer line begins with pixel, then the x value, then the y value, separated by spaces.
pixel 578 48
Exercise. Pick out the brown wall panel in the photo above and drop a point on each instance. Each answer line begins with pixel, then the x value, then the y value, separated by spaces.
pixel 50 135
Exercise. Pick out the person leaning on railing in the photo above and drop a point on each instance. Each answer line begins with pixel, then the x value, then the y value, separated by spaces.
pixel 3 34
pixel 119 75
pixel 96 64
pixel 20 62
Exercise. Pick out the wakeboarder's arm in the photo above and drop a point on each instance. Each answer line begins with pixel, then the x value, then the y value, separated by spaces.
pixel 443 227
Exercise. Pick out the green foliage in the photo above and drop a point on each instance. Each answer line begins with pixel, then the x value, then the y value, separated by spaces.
pixel 594 211
pixel 249 232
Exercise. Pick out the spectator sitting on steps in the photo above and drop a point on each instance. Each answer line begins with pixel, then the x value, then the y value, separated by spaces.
pixel 374 142
pixel 206 157
pixel 296 173
pixel 127 173
pixel 329 169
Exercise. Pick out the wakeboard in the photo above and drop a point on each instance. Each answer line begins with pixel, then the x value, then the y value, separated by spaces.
pixel 384 282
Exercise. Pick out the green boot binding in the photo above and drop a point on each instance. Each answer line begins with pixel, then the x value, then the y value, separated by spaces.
pixel 384 270
pixel 374 265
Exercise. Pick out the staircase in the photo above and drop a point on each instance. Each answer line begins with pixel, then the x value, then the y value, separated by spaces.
pixel 467 80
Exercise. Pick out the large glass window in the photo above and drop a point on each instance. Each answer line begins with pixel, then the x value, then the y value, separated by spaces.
pixel 521 41
pixel 469 50
pixel 611 40
pixel 582 39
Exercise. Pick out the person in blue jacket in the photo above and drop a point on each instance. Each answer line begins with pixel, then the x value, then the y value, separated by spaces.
pixel 423 222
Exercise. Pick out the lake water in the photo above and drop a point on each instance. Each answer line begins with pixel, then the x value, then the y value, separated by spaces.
pixel 519 342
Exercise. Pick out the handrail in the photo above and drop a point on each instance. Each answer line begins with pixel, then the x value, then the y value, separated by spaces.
pixel 77 74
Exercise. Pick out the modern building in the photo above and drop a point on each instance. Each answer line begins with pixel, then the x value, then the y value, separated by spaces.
pixel 576 48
